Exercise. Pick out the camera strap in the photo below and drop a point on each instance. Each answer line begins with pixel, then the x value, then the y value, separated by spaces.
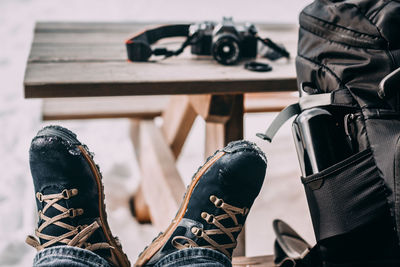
pixel 139 46
pixel 279 49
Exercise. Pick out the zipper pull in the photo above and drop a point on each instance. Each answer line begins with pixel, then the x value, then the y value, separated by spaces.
pixel 348 118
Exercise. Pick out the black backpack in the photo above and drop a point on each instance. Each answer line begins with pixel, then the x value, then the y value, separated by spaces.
pixel 347 133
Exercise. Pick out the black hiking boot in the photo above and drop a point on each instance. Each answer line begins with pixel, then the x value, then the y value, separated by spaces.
pixel 215 205
pixel 70 197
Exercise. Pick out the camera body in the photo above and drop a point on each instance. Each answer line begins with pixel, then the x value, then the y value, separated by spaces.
pixel 226 42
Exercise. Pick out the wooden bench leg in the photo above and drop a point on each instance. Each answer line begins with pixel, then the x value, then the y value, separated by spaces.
pixel 178 120
pixel 219 134
pixel 162 186
pixel 139 208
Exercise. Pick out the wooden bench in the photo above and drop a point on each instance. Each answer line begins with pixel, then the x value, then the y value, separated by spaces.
pixel 144 107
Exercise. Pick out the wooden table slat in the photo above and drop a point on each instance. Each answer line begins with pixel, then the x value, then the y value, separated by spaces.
pixel 89 59
pixel 53 53
pixel 168 77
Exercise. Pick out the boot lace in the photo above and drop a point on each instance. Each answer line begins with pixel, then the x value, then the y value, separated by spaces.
pixel 76 235
pixel 230 212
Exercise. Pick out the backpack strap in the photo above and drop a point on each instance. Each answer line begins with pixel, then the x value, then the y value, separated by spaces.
pixel 341 97
pixel 279 120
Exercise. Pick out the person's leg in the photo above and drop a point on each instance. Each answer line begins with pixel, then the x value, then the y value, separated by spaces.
pixel 72 228
pixel 196 257
pixel 68 256
pixel 213 211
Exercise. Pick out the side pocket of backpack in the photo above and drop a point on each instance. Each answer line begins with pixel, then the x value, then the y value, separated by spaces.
pixel 346 195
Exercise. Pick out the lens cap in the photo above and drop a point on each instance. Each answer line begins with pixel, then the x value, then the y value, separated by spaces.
pixel 257 66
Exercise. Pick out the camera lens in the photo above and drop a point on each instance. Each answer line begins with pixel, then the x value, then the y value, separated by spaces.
pixel 225 49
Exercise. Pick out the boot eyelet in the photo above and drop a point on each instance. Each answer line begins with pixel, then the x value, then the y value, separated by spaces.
pixel 197 231
pixel 66 194
pixel 207 217
pixel 217 201
pixel 72 213
pixel 245 211
pixel 39 196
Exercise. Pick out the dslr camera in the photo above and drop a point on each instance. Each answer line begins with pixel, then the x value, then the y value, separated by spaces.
pixel 225 41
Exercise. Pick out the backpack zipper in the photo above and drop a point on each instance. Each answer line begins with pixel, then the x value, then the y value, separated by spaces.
pixel 340 34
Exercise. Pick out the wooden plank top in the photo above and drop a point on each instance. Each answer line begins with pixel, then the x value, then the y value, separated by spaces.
pixel 89 59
